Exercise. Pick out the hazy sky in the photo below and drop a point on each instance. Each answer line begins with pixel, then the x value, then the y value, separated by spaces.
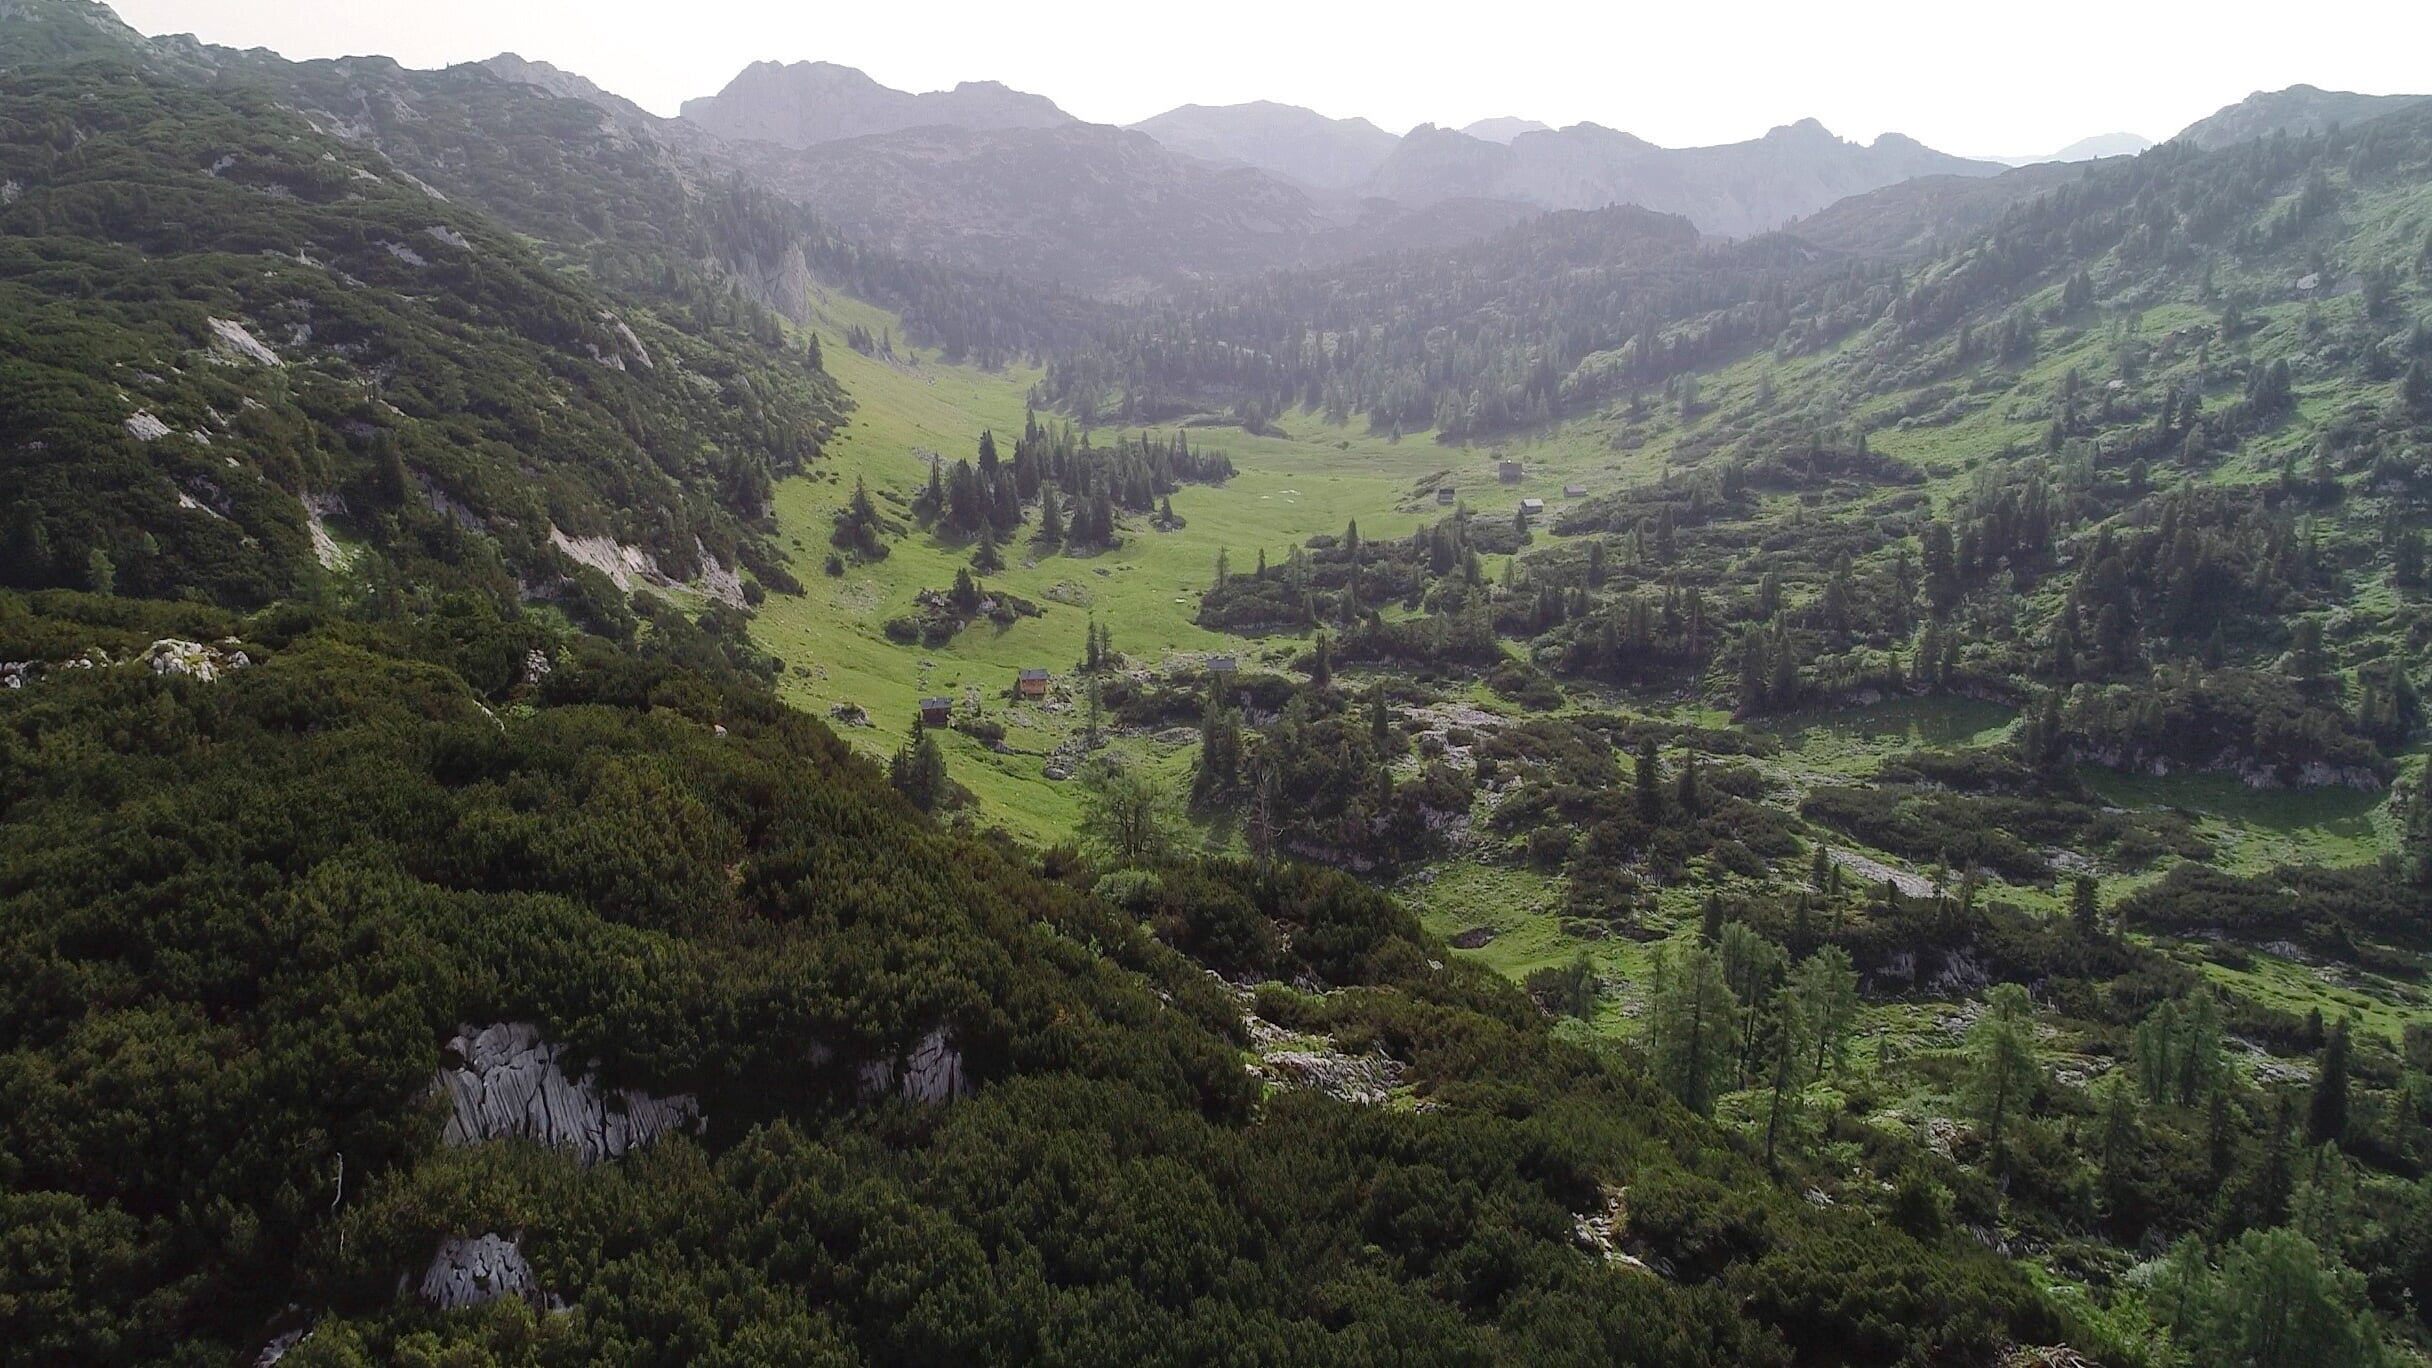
pixel 2029 80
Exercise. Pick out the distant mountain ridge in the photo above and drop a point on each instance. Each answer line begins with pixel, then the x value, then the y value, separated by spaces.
pixel 810 103
pixel 1331 154
pixel 1104 208
pixel 1504 129
pixel 2298 110
pixel 1734 190
pixel 2085 149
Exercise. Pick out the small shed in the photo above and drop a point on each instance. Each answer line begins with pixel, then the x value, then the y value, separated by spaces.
pixel 1532 507
pixel 936 712
pixel 1445 497
pixel 1509 472
pixel 1574 491
pixel 1032 684
pixel 1223 665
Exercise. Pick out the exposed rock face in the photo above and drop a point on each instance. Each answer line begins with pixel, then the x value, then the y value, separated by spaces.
pixel 504 1081
pixel 1876 872
pixel 931 1072
pixel 318 509
pixel 194 660
pixel 234 336
pixel 471 1272
pixel 1309 1064
pixel 624 565
pixel 1366 1080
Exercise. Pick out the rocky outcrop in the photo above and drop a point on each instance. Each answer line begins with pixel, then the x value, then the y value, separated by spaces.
pixel 318 509
pixel 931 1071
pixel 1877 872
pixel 1318 1064
pixel 194 660
pixel 476 1271
pixel 1363 1080
pixel 233 336
pixel 505 1082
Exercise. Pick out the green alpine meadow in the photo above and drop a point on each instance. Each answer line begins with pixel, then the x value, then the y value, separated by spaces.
pixel 840 726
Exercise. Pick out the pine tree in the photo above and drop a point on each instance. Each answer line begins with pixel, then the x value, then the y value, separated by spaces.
pixel 1692 1025
pixel 1051 518
pixel 2002 1067
pixel 2326 1119
pixel 1826 984
pixel 1792 1029
pixel 2085 911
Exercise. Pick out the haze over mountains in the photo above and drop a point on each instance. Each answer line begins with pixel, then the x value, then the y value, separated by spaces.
pixel 2085 149
pixel 987 176
pixel 2298 110
pixel 815 102
pixel 994 178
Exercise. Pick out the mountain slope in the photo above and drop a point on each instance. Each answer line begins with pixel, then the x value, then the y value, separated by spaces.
pixel 1088 205
pixel 1308 147
pixel 815 102
pixel 319 333
pixel 1732 190
pixel 2298 110
pixel 1914 216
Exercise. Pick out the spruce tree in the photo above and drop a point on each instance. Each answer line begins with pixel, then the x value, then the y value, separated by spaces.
pixel 2326 1118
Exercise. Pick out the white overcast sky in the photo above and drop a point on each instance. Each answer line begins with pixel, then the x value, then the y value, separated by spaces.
pixel 1967 78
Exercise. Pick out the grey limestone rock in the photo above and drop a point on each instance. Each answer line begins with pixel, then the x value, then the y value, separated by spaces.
pixel 471 1272
pixel 504 1081
pixel 931 1072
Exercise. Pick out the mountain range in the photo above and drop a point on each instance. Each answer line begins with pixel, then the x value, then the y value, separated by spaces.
pixel 2086 149
pixel 985 177
pixel 2298 110
pixel 988 177
pixel 816 102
